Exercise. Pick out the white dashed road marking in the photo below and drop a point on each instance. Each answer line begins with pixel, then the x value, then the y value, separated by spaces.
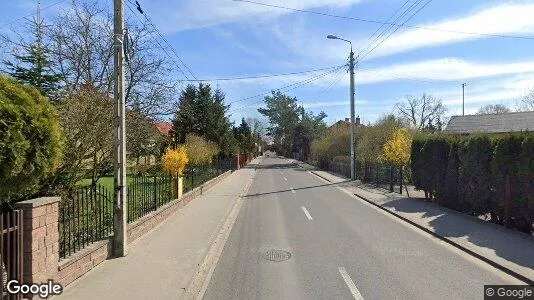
pixel 307 213
pixel 352 287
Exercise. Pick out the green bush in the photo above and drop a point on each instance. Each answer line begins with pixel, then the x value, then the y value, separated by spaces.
pixel 505 170
pixel 475 155
pixel 526 180
pixel 479 175
pixel 30 140
pixel 416 158
pixel 449 196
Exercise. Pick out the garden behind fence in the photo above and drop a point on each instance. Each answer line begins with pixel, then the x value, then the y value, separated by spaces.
pixel 390 177
pixel 86 214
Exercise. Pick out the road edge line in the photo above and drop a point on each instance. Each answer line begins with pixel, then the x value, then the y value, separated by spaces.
pixel 200 281
pixel 442 238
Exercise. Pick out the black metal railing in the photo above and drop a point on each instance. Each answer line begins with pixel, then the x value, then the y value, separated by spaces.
pixel 86 213
pixel 146 194
pixel 381 175
pixel 85 217
pixel 12 251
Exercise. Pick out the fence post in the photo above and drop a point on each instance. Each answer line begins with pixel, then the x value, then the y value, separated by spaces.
pixel 376 174
pixel 401 178
pixel 155 193
pixel 40 239
pixel 192 178
pixel 391 179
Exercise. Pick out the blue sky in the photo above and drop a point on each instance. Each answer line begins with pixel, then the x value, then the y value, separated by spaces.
pixel 225 38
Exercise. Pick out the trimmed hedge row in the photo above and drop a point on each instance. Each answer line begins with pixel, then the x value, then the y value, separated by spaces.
pixel 481 175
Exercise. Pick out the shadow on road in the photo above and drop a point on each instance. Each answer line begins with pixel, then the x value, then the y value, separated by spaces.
pixel 508 244
pixel 295 189
pixel 271 166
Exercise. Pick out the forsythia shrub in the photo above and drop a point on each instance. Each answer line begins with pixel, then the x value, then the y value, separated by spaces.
pixel 175 161
pixel 199 151
pixel 397 149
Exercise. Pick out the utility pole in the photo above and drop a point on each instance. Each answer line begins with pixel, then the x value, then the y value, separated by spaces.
pixel 463 99
pixel 119 216
pixel 352 124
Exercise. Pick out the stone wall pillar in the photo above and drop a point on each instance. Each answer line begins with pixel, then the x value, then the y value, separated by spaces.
pixel 40 238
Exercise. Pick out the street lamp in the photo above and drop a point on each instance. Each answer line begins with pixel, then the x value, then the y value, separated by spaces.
pixel 352 125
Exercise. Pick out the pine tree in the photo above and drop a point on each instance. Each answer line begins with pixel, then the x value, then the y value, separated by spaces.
pixel 203 112
pixel 184 121
pixel 33 66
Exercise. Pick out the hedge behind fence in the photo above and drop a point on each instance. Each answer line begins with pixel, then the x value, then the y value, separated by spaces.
pixel 491 175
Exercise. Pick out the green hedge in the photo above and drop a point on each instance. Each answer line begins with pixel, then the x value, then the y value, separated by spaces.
pixel 30 140
pixel 489 175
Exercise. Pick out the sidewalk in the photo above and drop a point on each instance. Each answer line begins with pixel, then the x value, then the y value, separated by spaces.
pixel 499 246
pixel 161 264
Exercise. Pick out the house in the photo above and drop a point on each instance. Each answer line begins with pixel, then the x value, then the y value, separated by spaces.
pixel 491 123
pixel 346 122
pixel 164 128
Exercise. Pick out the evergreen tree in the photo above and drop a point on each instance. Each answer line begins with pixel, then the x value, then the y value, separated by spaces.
pixel 244 138
pixel 221 124
pixel 203 112
pixel 184 120
pixel 32 66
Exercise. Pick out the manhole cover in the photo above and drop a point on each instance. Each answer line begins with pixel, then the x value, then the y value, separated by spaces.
pixel 277 255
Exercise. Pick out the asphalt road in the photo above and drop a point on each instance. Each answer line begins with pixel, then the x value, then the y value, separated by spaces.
pixel 341 248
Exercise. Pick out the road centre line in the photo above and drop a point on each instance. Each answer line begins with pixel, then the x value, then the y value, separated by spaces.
pixel 307 213
pixel 352 287
pixel 285 179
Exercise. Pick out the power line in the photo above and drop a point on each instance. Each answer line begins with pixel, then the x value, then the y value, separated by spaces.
pixel 263 76
pixel 291 86
pixel 30 15
pixel 396 29
pixel 285 88
pixel 327 89
pixel 388 23
pixel 382 26
pixel 403 77
pixel 158 43
pixel 147 18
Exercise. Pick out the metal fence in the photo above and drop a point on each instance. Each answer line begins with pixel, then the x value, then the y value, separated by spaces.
pixel 11 246
pixel 85 217
pixel 146 193
pixel 380 175
pixel 86 214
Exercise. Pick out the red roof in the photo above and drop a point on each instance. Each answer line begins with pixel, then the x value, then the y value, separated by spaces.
pixel 164 127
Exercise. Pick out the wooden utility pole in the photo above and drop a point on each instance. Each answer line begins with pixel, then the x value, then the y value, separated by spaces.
pixel 119 216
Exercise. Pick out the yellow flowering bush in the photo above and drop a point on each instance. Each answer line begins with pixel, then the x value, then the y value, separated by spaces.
pixel 175 161
pixel 398 148
pixel 199 150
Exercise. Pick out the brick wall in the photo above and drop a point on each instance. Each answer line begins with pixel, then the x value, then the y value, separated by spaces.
pixel 41 238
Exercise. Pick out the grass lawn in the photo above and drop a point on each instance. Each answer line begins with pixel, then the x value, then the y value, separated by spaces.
pixel 107 181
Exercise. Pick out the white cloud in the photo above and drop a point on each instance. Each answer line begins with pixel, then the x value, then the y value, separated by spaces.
pixel 444 69
pixel 504 19
pixel 325 104
pixel 450 70
pixel 193 14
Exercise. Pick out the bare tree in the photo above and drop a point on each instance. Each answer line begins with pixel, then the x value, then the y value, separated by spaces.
pixel 81 43
pixel 493 109
pixel 421 112
pixel 86 117
pixel 527 102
